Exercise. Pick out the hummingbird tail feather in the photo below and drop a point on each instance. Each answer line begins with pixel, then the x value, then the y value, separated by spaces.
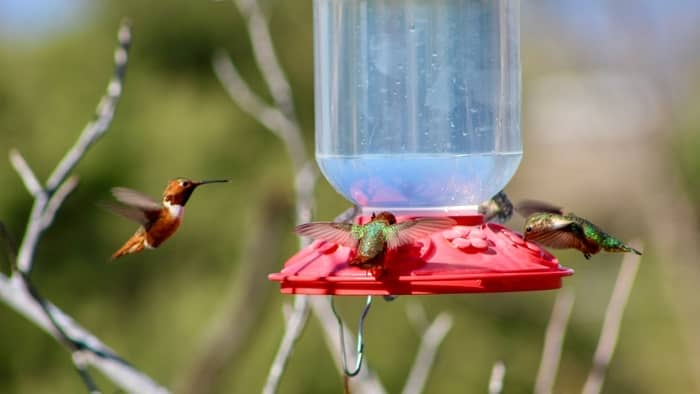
pixel 133 245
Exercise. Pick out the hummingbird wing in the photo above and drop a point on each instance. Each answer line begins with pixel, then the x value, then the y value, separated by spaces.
pixel 345 234
pixel 528 207
pixel 137 206
pixel 135 199
pixel 131 213
pixel 411 230
pixel 562 235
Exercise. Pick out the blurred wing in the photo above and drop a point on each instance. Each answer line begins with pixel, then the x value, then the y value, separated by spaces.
pixel 528 207
pixel 338 233
pixel 135 199
pixel 409 231
pixel 130 212
pixel 565 238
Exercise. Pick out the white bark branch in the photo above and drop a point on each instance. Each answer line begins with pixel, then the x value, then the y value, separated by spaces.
pixel 19 294
pixel 103 115
pixel 553 341
pixel 281 120
pixel 294 326
pixel 25 173
pixel 271 117
pixel 13 293
pixel 613 319
pixel 498 373
pixel 431 339
pixel 90 134
pixel 266 57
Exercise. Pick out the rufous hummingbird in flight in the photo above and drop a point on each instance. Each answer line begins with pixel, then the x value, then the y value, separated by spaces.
pixel 159 220
pixel 371 241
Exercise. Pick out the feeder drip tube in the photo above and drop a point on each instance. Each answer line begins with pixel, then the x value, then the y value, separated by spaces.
pixel 360 338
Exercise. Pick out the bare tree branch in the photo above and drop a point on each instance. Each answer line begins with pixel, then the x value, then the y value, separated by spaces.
pixel 295 324
pixel 613 318
pixel 553 340
pixel 90 134
pixel 498 373
pixel 293 328
pixel 103 115
pixel 248 297
pixel 15 295
pixel 281 120
pixel 19 292
pixel 266 57
pixel 431 339
pixel 25 173
pixel 57 200
pixel 274 119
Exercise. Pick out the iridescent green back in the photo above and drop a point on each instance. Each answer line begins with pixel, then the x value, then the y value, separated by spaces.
pixel 373 240
pixel 595 234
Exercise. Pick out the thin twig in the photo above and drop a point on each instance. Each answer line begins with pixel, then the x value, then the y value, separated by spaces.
pixel 431 339
pixel 611 325
pixel 25 172
pixel 498 373
pixel 57 200
pixel 90 134
pixel 269 116
pixel 266 57
pixel 553 340
pixel 294 326
pixel 103 115
pixel 292 331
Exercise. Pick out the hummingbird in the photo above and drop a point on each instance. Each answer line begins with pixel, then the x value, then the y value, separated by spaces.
pixel 159 220
pixel 548 225
pixel 498 209
pixel 371 241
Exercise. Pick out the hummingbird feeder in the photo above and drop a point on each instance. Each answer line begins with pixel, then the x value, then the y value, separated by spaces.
pixel 418 114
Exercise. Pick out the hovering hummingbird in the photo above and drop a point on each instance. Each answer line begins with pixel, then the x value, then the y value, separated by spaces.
pixel 371 241
pixel 498 209
pixel 548 225
pixel 158 220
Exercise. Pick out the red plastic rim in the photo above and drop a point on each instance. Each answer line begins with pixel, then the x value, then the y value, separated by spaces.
pixel 471 257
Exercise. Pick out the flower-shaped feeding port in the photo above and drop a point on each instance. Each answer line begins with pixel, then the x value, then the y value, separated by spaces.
pixel 470 257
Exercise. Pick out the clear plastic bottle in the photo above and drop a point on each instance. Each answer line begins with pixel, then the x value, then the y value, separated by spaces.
pixel 417 101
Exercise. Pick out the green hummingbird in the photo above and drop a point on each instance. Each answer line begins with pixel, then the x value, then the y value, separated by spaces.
pixel 371 241
pixel 548 225
pixel 498 209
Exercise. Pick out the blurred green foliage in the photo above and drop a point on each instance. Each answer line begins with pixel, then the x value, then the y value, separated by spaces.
pixel 174 119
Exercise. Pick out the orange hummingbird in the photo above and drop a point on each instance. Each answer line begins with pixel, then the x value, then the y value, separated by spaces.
pixel 158 220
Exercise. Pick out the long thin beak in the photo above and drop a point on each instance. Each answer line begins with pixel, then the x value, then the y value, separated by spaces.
pixel 211 181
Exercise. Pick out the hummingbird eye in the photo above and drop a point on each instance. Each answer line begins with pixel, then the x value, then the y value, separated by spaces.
pixel 528 229
pixel 185 183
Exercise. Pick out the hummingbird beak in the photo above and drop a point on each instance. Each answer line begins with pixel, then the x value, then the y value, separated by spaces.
pixel 211 181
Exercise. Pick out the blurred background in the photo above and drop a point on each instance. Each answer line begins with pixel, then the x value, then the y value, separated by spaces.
pixel 611 92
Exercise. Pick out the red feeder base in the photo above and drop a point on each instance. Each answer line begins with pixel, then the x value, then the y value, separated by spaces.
pixel 471 257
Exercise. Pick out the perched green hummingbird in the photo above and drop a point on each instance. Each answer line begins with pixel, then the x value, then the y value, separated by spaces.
pixel 548 225
pixel 498 209
pixel 371 241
